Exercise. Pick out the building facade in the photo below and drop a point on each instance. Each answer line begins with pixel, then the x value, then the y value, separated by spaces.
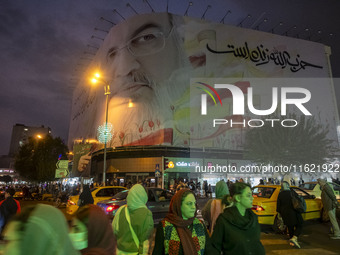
pixel 21 133
pixel 195 108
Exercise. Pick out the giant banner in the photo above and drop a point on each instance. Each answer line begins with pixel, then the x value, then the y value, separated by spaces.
pixel 152 62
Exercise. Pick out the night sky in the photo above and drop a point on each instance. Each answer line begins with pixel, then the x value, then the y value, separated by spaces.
pixel 42 43
pixel 44 46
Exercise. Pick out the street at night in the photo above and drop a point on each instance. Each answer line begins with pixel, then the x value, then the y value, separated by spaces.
pixel 314 240
pixel 169 127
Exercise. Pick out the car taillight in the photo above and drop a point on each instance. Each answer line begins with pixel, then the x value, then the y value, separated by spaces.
pixel 112 208
pixel 71 202
pixel 257 208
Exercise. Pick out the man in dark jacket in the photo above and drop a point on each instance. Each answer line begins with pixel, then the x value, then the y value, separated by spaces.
pixel 330 204
pixel 8 207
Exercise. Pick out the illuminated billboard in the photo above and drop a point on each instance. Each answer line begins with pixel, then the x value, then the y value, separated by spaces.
pixel 152 62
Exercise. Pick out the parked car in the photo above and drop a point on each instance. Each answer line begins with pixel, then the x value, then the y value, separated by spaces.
pixel 264 205
pixel 314 188
pixel 43 197
pixel 158 203
pixel 18 195
pixel 98 194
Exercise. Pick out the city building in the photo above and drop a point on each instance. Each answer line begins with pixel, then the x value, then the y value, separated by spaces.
pixel 190 114
pixel 21 133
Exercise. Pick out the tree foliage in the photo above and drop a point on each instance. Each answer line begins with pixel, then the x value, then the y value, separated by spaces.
pixel 5 178
pixel 36 160
pixel 307 143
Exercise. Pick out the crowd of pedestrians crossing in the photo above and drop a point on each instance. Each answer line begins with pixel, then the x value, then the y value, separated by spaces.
pixel 229 226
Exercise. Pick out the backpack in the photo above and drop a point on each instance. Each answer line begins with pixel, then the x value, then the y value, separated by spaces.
pixel 298 202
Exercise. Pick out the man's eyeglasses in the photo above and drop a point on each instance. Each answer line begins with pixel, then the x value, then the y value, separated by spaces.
pixel 144 44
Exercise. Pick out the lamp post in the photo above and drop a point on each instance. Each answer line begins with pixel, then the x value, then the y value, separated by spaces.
pixel 107 92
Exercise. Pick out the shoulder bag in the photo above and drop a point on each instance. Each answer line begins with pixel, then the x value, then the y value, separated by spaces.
pixel 298 202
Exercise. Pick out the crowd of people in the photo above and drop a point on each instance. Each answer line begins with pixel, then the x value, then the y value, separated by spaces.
pixel 229 226
pixel 37 191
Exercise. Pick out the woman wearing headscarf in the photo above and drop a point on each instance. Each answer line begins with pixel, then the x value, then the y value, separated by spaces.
pixel 181 232
pixel 237 230
pixel 214 207
pixel 291 218
pixel 97 229
pixel 85 197
pixel 133 223
pixel 39 230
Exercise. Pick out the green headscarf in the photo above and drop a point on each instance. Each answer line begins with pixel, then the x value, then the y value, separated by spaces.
pixel 137 197
pixel 44 232
pixel 221 189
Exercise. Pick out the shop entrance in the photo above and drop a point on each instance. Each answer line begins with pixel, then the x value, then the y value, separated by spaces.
pixel 136 177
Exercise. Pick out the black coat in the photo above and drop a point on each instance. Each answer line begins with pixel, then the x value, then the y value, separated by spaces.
pixel 8 208
pixel 285 207
pixel 86 197
pixel 236 234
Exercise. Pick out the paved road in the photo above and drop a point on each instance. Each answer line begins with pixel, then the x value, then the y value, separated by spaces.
pixel 314 240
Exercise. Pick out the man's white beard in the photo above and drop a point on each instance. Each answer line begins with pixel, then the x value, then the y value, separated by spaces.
pixel 150 113
pixel 143 117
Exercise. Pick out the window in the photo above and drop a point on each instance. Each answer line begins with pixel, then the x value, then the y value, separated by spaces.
pixel 335 186
pixel 163 195
pixel 151 196
pixel 160 194
pixel 302 193
pixel 265 192
pixel 308 186
pixel 108 192
pixel 121 195
pixel 117 190
pixel 100 193
pixel 103 193
pixel 169 195
pixel 111 192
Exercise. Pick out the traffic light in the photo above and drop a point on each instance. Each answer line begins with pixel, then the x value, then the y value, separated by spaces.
pixel 166 163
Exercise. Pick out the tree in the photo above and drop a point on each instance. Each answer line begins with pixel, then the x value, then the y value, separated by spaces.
pixel 6 178
pixel 306 143
pixel 36 160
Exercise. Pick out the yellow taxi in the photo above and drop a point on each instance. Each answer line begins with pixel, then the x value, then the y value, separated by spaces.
pixel 98 194
pixel 264 205
pixel 18 195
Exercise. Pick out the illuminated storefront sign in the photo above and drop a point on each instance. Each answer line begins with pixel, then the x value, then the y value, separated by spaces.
pixel 186 164
pixel 183 164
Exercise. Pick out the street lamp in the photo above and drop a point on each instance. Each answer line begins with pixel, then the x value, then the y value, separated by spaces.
pixel 107 92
